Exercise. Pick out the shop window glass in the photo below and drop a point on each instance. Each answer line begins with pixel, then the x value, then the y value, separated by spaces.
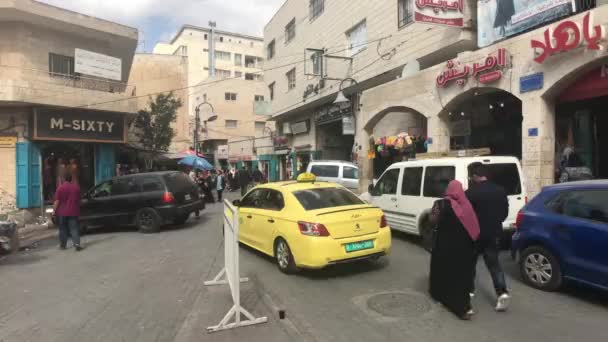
pixel 325 170
pixel 411 181
pixel 387 185
pixel 436 180
pixel 350 172
pixel 507 176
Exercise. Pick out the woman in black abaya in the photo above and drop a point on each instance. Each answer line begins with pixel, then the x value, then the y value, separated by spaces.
pixel 453 254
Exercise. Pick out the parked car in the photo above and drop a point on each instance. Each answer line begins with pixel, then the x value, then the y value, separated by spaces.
pixel 308 224
pixel 335 171
pixel 146 200
pixel 563 234
pixel 407 190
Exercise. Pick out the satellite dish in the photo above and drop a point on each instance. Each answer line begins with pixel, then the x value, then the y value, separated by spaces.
pixel 411 68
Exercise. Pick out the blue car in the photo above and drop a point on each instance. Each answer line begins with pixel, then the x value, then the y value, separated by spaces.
pixel 563 234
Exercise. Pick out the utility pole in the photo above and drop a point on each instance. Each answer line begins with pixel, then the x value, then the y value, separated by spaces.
pixel 212 49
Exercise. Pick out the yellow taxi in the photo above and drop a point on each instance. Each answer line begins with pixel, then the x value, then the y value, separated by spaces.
pixel 310 224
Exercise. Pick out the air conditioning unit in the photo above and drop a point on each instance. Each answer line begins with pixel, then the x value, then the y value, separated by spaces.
pixel 286 128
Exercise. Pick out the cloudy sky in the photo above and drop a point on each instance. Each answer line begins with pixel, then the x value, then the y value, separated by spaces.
pixel 160 19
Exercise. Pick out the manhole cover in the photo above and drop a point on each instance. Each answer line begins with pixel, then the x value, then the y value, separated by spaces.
pixel 398 304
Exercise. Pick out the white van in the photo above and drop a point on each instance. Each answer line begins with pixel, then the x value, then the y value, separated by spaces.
pixel 335 171
pixel 407 190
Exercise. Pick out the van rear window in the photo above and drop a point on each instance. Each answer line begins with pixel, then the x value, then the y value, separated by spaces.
pixel 313 199
pixel 507 176
pixel 325 170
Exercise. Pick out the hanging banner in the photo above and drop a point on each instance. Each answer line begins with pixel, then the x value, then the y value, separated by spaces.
pixel 500 19
pixel 439 12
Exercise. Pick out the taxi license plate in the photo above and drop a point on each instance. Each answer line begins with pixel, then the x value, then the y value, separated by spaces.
pixel 187 197
pixel 357 246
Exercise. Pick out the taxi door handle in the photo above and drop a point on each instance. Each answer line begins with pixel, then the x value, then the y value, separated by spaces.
pixel 394 199
pixel 249 216
pixel 271 220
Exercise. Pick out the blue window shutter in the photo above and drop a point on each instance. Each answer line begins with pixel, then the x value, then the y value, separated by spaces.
pixel 35 178
pixel 23 171
pixel 254 165
pixel 105 162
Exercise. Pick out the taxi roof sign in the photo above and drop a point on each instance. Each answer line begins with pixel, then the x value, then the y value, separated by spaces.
pixel 306 177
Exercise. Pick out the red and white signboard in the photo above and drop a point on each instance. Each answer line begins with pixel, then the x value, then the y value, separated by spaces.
pixel 439 12
pixel 487 71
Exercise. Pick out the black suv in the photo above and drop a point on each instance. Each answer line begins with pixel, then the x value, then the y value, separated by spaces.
pixel 146 200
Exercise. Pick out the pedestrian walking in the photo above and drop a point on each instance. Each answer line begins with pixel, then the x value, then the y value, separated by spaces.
pixel 67 209
pixel 492 207
pixel 220 185
pixel 244 180
pixel 454 248
pixel 258 176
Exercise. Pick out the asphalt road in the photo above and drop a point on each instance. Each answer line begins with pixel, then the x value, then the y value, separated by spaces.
pixel 127 286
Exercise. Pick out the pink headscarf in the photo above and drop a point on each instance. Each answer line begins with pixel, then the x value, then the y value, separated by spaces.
pixel 463 208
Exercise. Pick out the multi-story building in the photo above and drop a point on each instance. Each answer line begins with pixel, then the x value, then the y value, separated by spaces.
pixel 369 42
pixel 64 99
pixel 526 80
pixel 236 91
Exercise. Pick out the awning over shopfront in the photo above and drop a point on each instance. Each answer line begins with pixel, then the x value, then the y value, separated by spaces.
pixel 593 84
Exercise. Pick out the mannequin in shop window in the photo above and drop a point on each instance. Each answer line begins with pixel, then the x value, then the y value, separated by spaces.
pixel 49 191
pixel 60 172
pixel 74 170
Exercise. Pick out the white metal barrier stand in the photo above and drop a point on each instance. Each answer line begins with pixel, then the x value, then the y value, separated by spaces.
pixel 230 274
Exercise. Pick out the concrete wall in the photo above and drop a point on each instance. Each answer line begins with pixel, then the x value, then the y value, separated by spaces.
pixel 13 122
pixel 419 93
pixel 153 73
pixel 328 31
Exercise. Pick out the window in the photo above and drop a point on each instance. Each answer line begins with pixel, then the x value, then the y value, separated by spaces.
pixel 507 176
pixel 238 74
pixel 325 170
pixel 124 186
pixel 314 199
pixel 356 38
pixel 387 184
pixel 149 184
pixel 205 36
pixel 238 59
pixel 406 12
pixel 316 8
pixel 253 62
pixel 222 55
pixel 317 62
pixel 274 201
pixel 411 181
pixel 230 96
pixel 291 79
pixel 222 74
pixel 271 90
pixel 61 65
pixel 221 39
pixel 585 204
pixel 258 98
pixel 260 126
pixel 255 199
pixel 182 50
pixel 436 180
pixel 231 124
pixel 290 31
pixel 270 50
pixel 350 172
pixel 102 190
pixel 253 77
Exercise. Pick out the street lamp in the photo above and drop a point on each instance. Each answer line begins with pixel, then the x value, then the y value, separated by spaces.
pixel 340 98
pixel 197 120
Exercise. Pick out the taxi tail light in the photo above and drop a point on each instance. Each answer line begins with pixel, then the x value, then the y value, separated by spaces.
pixel 168 198
pixel 383 223
pixel 312 229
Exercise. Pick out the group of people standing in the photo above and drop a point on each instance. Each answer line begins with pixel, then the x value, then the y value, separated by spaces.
pixel 220 180
pixel 468 225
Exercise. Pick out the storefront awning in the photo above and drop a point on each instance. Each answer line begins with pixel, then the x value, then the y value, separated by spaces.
pixel 593 84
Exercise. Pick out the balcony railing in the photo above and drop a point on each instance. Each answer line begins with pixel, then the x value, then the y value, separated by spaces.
pixel 78 81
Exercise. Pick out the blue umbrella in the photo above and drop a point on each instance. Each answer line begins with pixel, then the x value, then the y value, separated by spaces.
pixel 196 162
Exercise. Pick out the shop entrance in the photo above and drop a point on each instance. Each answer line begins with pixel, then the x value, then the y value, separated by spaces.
pixel 60 159
pixel 333 143
pixel 486 118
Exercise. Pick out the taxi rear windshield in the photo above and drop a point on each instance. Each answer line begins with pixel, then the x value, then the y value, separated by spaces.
pixel 313 199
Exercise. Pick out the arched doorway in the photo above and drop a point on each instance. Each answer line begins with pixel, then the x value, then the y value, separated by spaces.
pixel 398 133
pixel 485 118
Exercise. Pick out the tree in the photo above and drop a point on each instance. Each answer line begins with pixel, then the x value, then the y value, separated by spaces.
pixel 153 125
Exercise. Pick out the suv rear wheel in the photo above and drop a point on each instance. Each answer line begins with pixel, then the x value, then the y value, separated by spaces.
pixel 540 269
pixel 148 220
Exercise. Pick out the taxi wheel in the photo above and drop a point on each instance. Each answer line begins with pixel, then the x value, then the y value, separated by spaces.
pixel 284 258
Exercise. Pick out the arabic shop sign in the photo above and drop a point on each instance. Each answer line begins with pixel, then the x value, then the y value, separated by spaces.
pixel 439 12
pixel 567 36
pixel 485 72
pixel 79 125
